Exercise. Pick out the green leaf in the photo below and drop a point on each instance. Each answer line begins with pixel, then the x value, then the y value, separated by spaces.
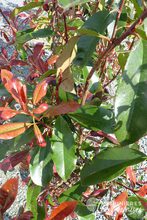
pixel 141 33
pixel 122 58
pixel 109 163
pixel 63 148
pixel 6 146
pixel 32 204
pixel 94 118
pixel 29 6
pixel 29 34
pixel 41 166
pixel 137 7
pixel 73 193
pixel 25 138
pixel 83 213
pixel 3 91
pixel 87 44
pixel 70 3
pixel 131 99
pixel 135 210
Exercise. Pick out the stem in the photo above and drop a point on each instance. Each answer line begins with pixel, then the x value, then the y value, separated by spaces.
pixel 112 78
pixel 65 27
pixel 117 19
pixel 126 187
pixel 110 47
pixel 13 29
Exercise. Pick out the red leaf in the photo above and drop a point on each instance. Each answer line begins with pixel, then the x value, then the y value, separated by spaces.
pixel 40 139
pixel 37 49
pixel 3 60
pixel 99 193
pixel 41 109
pixel 11 161
pixel 6 37
pixel 15 88
pixel 142 191
pixel 63 108
pixel 18 63
pixel 131 175
pixel 11 130
pixel 63 210
pixel 118 205
pixel 6 75
pixel 40 91
pixel 111 137
pixel 25 216
pixel 7 113
pixel 8 194
pixel 4 52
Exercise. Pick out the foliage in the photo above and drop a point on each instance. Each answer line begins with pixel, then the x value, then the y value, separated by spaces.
pixel 80 140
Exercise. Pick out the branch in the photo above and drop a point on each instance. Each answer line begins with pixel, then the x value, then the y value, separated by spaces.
pixel 110 47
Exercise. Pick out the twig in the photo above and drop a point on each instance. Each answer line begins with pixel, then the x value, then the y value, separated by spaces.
pixel 110 47
pixel 126 187
pixel 117 19
pixel 65 27
pixel 112 78
pixel 13 29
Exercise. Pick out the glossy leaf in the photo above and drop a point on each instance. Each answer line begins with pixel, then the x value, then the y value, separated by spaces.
pixel 32 203
pixel 8 193
pixel 86 45
pixel 74 192
pixel 40 139
pixel 41 108
pixel 109 163
pixel 15 88
pixel 94 118
pixel 63 210
pixel 131 99
pixel 41 166
pixel 40 91
pixel 28 6
pixel 83 213
pixel 24 138
pixel 7 113
pixel 29 34
pixel 63 149
pixel 62 108
pixel 11 130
